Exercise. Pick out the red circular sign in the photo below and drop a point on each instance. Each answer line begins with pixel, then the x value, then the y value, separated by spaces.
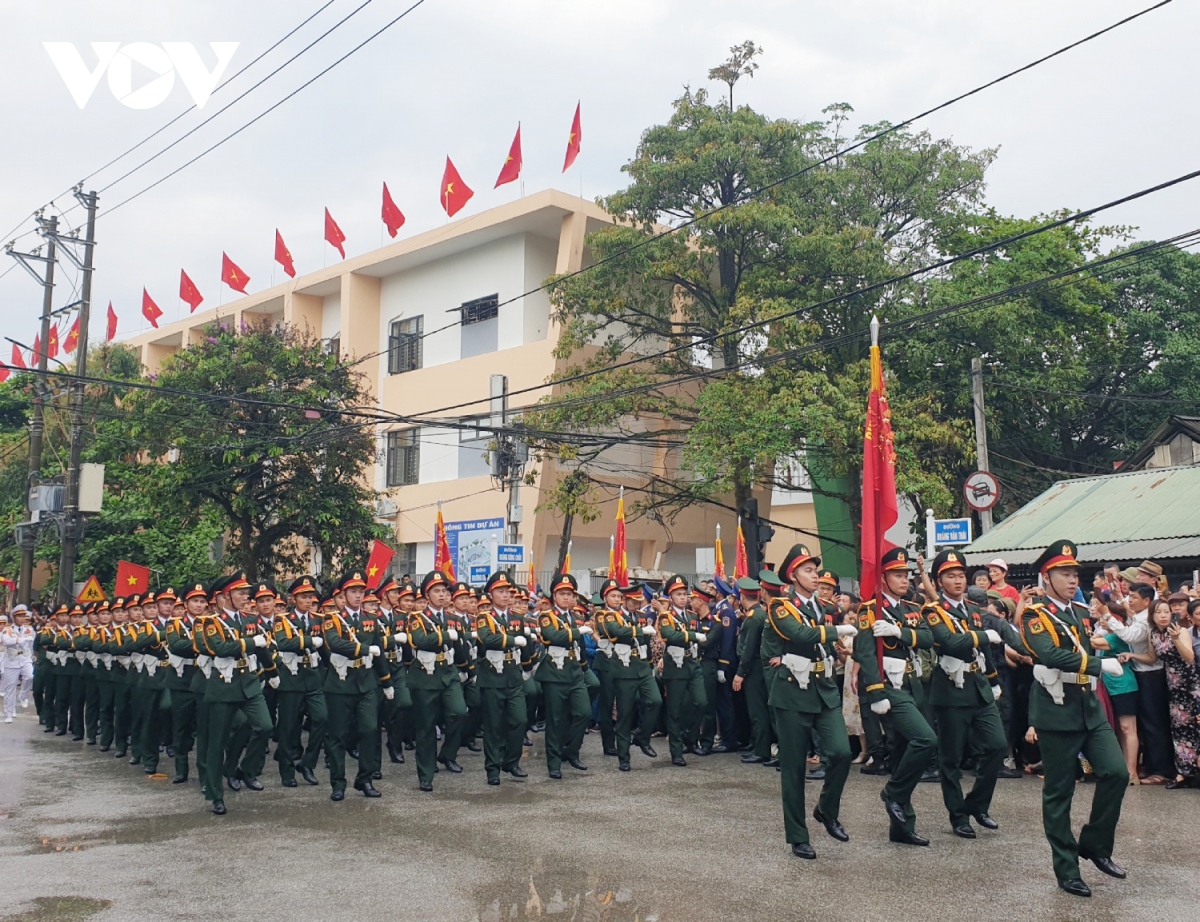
pixel 982 491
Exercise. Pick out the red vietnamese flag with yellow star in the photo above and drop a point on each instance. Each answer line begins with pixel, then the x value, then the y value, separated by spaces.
pixel 511 171
pixel 377 564
pixel 333 234
pixel 232 275
pixel 150 310
pixel 132 578
pixel 52 342
pixel 36 355
pixel 111 331
pixel 283 255
pixel 72 338
pixel 441 549
pixel 189 292
pixel 455 192
pixel 392 216
pixel 573 141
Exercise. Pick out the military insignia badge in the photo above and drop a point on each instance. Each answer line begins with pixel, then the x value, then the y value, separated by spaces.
pixel 1036 627
pixel 934 619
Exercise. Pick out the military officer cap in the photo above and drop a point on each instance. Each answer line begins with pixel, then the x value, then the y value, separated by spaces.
pixel 498 580
pixel 461 589
pixel 217 585
pixel 388 585
pixel 102 606
pixel 236 580
pixel 770 578
pixel 608 586
pixel 828 577
pixel 947 560
pixel 196 591
pixel 407 589
pixel 484 606
pixel 370 596
pixel 705 594
pixel 434 578
pixel 133 601
pixel 634 589
pixel 328 604
pixel 675 582
pixel 746 584
pixel 895 559
pixel 264 590
pixel 148 598
pixel 61 610
pixel 302 585
pixel 77 609
pixel 1058 554
pixel 118 604
pixel 596 599
pixel 168 594
pixel 565 581
pixel 799 554
pixel 352 580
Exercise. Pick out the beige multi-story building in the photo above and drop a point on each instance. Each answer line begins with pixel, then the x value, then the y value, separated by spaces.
pixel 438 315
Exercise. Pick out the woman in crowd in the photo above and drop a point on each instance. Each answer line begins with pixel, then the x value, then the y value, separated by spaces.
pixel 1122 689
pixel 1171 645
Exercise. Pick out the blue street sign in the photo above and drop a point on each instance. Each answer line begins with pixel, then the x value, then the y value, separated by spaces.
pixel 479 576
pixel 509 553
pixel 952 531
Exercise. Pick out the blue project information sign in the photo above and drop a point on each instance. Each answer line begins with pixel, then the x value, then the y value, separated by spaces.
pixel 472 548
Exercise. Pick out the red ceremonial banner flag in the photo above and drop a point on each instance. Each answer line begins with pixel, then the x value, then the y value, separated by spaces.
pixel 718 556
pixel 511 170
pixel 377 564
pixel 189 292
pixel 72 339
pixel 393 217
pixel 131 578
pixel 455 192
pixel 52 342
pixel 741 563
pixel 18 360
pixel 531 583
pixel 573 141
pixel 150 310
pixel 232 275
pixel 283 255
pixel 441 549
pixel 620 565
pixel 880 508
pixel 334 235
pixel 112 324
pixel 35 355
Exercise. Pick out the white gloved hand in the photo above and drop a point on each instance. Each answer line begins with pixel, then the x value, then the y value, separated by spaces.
pixel 273 681
pixel 846 630
pixel 885 629
pixel 318 642
pixel 260 640
pixel 401 637
pixel 464 677
pixel 373 650
pixel 519 641
pixel 526 674
pixel 474 635
pixel 881 707
pixel 1111 667
pixel 585 629
pixel 452 634
pixel 992 636
pixel 527 632
pixel 389 693
pixel 721 676
pixel 648 630
pixel 702 637
pixel 997 691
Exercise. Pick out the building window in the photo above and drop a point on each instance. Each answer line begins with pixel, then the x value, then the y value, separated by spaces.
pixel 403 457
pixel 480 326
pixel 404 345
pixel 333 345
pixel 473 460
pixel 405 562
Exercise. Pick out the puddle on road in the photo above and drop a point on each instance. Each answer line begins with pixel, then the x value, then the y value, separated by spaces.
pixel 60 909
pixel 569 895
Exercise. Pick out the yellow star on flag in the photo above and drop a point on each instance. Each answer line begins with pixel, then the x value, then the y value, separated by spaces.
pixel 131 580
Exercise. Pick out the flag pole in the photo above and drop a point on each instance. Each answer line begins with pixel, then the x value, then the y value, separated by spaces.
pixel 874 331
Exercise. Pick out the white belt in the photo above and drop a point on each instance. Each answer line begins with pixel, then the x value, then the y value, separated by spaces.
pixel 605 646
pixel 106 659
pixel 90 657
pixel 224 666
pixel 291 662
pixel 894 669
pixel 80 655
pixel 124 660
pixel 205 664
pixel 676 654
pixel 179 663
pixel 151 664
pixel 623 651
pixel 312 660
pixel 558 655
pixel 428 660
pixel 799 666
pixel 496 659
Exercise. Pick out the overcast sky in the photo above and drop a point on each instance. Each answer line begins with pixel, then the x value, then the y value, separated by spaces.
pixel 455 76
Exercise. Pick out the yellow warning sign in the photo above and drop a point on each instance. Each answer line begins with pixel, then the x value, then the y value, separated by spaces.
pixel 91 591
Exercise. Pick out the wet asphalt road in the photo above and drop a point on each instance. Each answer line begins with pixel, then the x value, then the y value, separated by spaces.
pixel 659 843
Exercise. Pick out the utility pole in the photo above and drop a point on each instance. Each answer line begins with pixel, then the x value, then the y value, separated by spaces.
pixel 37 427
pixel 981 446
pixel 72 518
pixel 511 464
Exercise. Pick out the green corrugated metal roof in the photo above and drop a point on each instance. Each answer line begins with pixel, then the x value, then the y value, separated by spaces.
pixel 1116 516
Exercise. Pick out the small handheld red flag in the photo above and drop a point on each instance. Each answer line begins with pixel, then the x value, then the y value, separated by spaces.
pixel 132 578
pixel 18 360
pixel 377 564
pixel 232 275
pixel 112 324
pixel 189 292
pixel 72 339
pixel 334 235
pixel 573 141
pixel 283 255
pixel 455 192
pixel 393 217
pixel 441 549
pixel 150 310
pixel 52 342
pixel 512 163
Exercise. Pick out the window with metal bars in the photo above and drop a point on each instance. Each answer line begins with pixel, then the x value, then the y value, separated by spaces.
pixel 404 345
pixel 403 457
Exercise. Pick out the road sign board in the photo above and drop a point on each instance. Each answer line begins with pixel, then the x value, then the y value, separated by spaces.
pixel 91 591
pixel 982 491
pixel 952 531
pixel 478 575
pixel 510 553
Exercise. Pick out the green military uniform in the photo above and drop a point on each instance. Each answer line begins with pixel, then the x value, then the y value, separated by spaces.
pixel 806 701
pixel 103 644
pixel 1070 720
pixel 750 671
pixel 301 689
pixel 502 637
pixel 682 675
pixel 606 690
pixel 629 631
pixel 964 689
pixel 564 690
pixel 91 685
pixel 710 655
pixel 44 663
pixel 890 682
pixel 121 645
pixel 180 642
pixel 156 703
pixel 464 661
